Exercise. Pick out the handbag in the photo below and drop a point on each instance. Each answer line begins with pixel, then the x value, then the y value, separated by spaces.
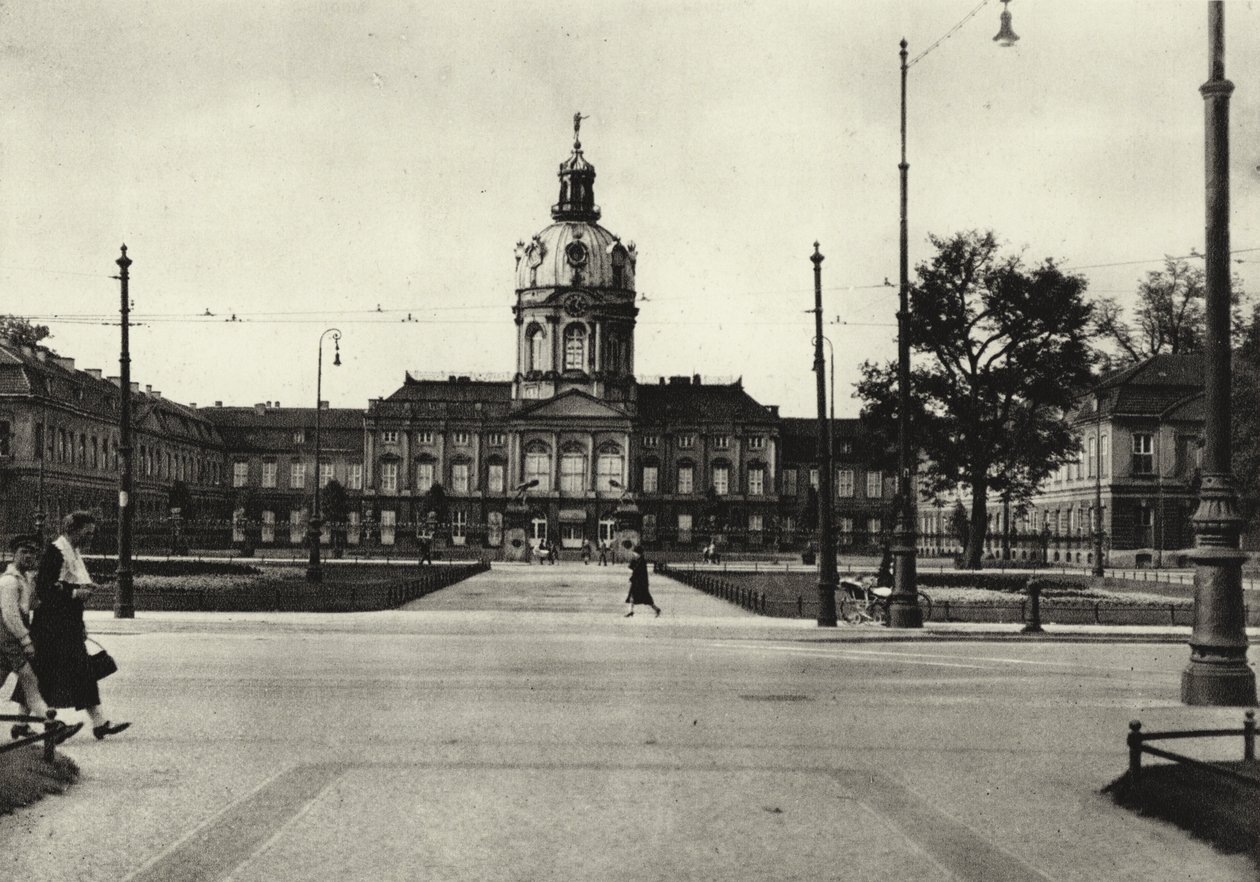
pixel 101 663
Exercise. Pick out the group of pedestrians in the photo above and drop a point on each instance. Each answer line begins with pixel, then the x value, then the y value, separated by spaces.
pixel 42 632
pixel 587 552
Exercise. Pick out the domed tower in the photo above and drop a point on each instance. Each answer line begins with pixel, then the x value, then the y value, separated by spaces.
pixel 575 311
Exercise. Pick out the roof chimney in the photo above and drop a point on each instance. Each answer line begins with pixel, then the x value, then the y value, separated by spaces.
pixel 65 363
pixel 94 373
pixel 193 405
pixel 135 388
pixel 218 404
pixel 695 379
pixel 260 408
pixel 155 393
pixel 117 381
pixel 323 405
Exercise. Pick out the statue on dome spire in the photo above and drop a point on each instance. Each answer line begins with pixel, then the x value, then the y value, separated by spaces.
pixel 577 124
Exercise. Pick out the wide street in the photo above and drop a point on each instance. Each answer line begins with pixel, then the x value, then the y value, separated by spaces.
pixel 517 727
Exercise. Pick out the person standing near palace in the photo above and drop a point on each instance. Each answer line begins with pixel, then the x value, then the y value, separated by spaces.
pixel 639 592
pixel 61 660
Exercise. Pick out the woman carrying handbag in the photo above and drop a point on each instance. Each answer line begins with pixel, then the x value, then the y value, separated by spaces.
pixel 61 660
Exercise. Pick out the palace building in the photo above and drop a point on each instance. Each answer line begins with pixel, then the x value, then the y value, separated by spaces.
pixel 569 430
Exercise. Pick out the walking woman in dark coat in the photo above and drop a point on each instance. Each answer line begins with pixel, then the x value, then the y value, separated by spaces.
pixel 639 592
pixel 61 659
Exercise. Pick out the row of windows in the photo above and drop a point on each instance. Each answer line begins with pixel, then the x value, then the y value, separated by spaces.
pixel 54 444
pixel 688 441
pixel 1094 459
pixel 461 439
pixel 846 483
pixel 575 349
pixel 296 474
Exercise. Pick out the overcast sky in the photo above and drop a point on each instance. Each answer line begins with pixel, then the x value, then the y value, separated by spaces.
pixel 300 164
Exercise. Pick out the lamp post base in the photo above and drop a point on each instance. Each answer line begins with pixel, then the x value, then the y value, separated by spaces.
pixel 903 603
pixel 1220 681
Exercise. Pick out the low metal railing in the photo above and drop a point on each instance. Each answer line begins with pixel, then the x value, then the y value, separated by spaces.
pixel 1137 741
pixel 52 728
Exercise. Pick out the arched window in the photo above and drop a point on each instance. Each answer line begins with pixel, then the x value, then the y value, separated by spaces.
pixel 536 338
pixel 613 353
pixel 538 466
pixel 609 468
pixel 575 348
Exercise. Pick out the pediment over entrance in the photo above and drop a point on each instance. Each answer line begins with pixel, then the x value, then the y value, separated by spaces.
pixel 573 404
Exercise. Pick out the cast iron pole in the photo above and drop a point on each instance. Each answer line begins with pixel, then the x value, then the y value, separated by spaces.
pixel 826 535
pixel 124 604
pixel 1218 673
pixel 903 603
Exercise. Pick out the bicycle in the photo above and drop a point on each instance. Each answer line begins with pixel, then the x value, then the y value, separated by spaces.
pixel 864 603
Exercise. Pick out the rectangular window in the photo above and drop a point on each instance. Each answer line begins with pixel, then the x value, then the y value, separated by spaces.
pixel 424 476
pixel 844 483
pixel 686 477
pixel 755 523
pixel 538 468
pixel 789 482
pixel 389 436
pixel 686 442
pixel 354 480
pixel 721 480
pixel 607 470
pixel 1143 453
pixel 299 437
pixel 268 527
pixel 494 528
pixel 297 475
pixel 297 526
pixel 756 482
pixel 721 441
pixel 462 438
pixel 496 439
pixel 389 477
pixel 846 528
pixel 495 482
pixel 269 474
pixel 757 442
pixel 787 526
pixel 1106 456
pixel 459 477
pixel 572 473
pixel 684 527
pixel 459 527
pixel 650 477
pixel 651 442
pixel 389 520
pixel 352 528
pixel 325 473
pixel 424 437
pixel 813 477
pixel 1091 457
pixel 238 525
pixel 240 474
pixel 874 526
pixel 874 485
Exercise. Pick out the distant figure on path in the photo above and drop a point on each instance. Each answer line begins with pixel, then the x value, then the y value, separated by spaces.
pixel 639 592
pixel 426 550
pixel 603 553
pixel 586 552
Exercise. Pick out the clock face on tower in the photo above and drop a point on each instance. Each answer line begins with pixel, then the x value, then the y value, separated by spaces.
pixel 577 304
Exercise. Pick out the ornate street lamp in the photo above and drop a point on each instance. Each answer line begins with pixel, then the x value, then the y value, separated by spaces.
pixel 124 602
pixel 1098 511
pixel 313 571
pixel 827 578
pixel 1218 673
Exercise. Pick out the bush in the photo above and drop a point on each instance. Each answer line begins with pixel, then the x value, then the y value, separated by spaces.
pixel 104 569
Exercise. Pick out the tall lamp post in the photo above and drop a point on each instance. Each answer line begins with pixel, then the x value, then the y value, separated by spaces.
pixel 1218 673
pixel 903 603
pixel 124 604
pixel 1098 512
pixel 313 571
pixel 827 579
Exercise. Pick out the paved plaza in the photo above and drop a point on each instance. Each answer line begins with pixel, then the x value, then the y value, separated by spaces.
pixel 518 727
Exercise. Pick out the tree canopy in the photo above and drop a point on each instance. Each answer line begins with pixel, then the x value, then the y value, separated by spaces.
pixel 1169 315
pixel 23 332
pixel 1000 352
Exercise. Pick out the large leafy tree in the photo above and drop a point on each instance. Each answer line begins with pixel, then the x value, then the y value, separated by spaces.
pixel 1001 349
pixel 1245 413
